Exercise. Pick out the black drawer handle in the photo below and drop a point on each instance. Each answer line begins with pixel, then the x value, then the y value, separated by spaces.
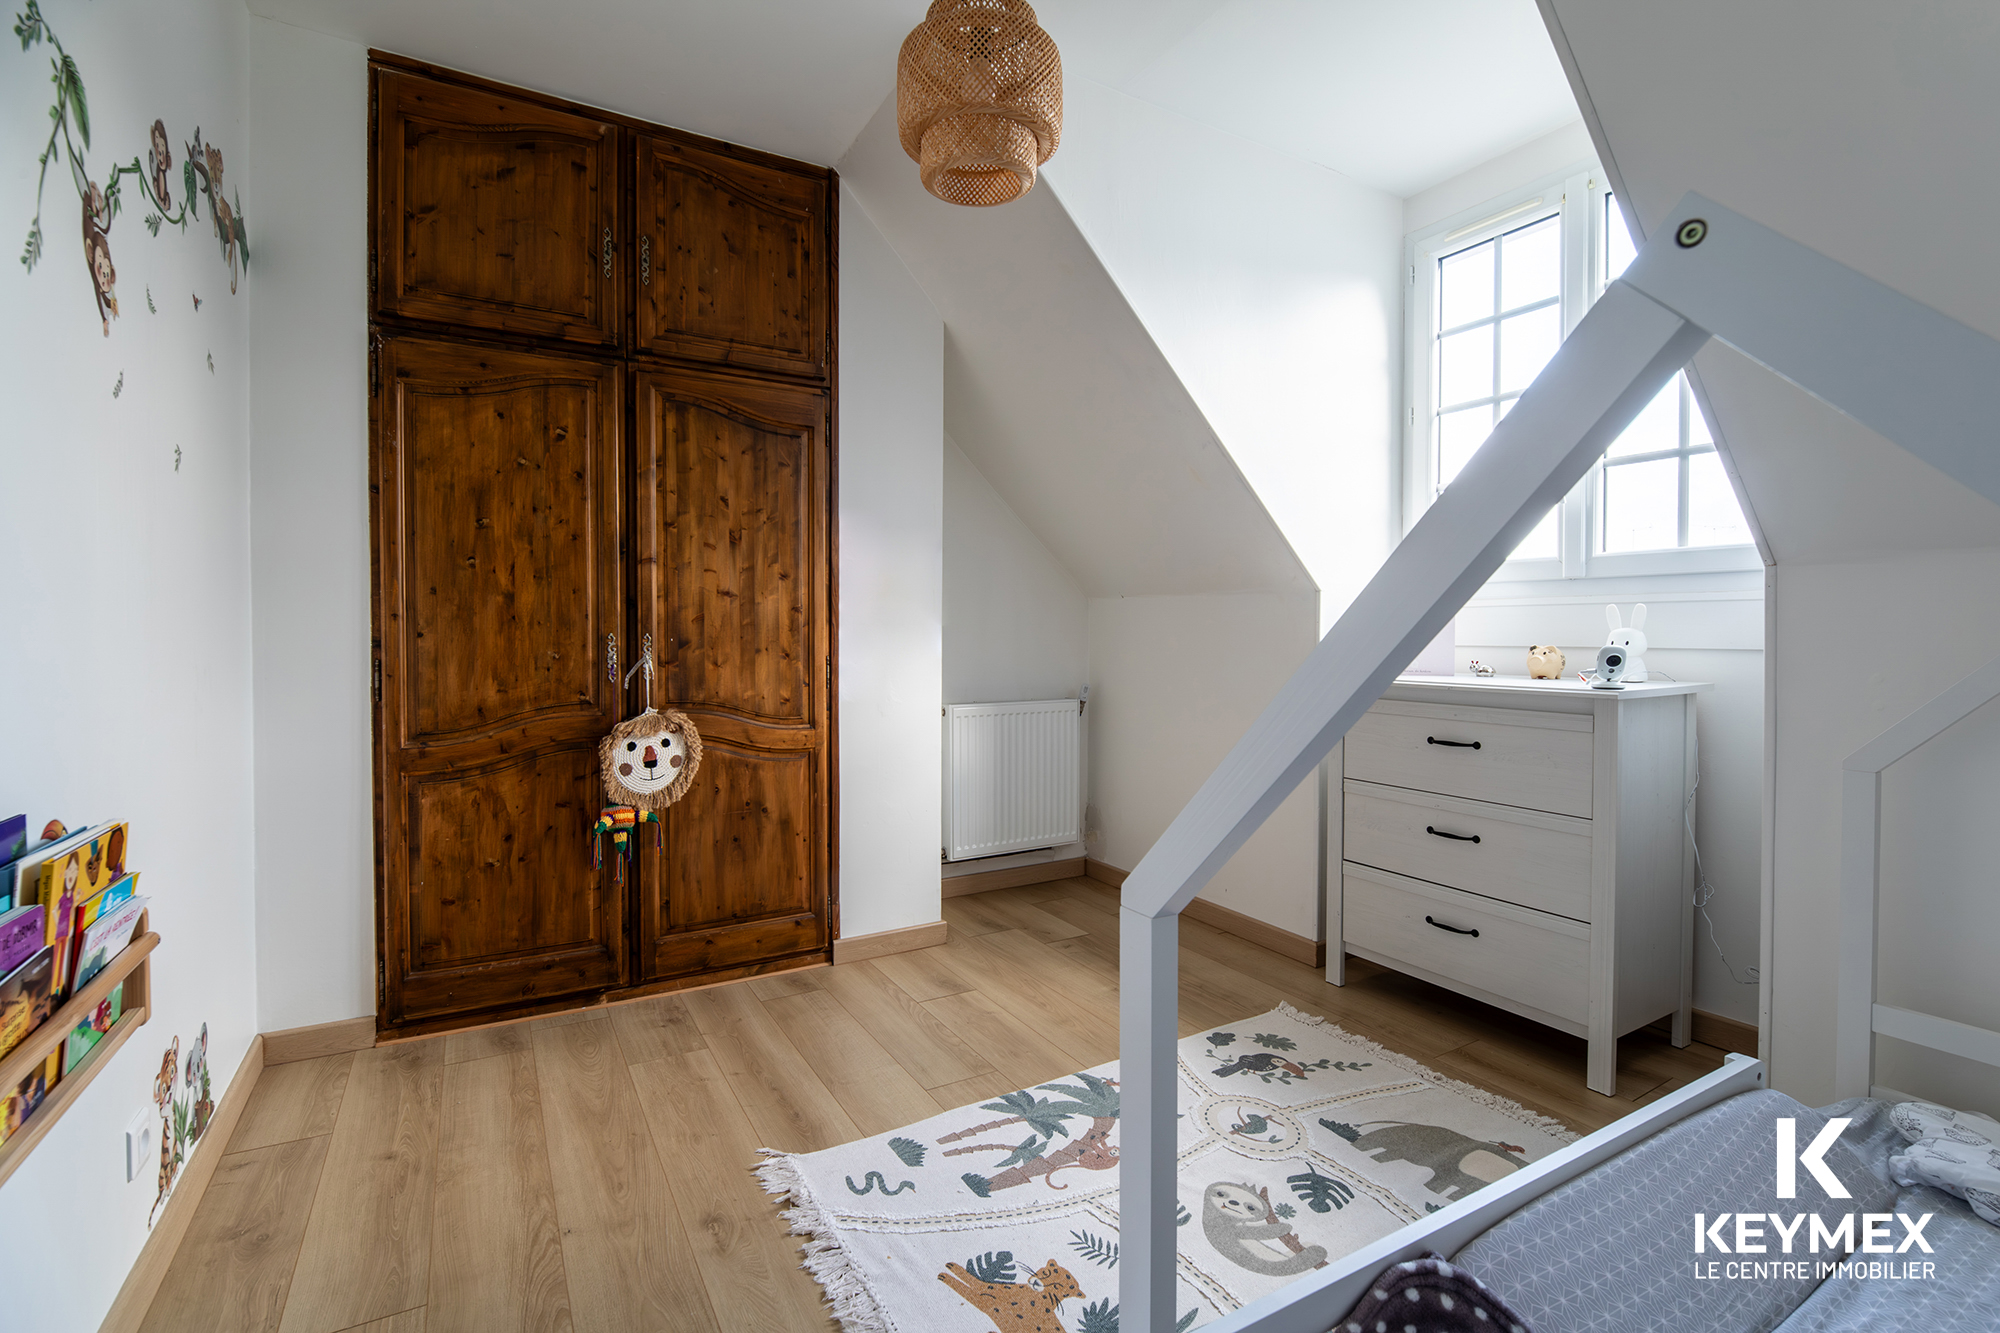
pixel 1455 837
pixel 1453 929
pixel 1456 745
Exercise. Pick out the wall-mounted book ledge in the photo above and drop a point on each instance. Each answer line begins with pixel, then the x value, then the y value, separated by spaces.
pixel 132 969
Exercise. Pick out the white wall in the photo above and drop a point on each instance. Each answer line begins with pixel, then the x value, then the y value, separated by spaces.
pixel 1175 682
pixel 1014 625
pixel 1270 284
pixel 1858 646
pixel 891 583
pixel 309 529
pixel 1553 152
pixel 1714 634
pixel 125 656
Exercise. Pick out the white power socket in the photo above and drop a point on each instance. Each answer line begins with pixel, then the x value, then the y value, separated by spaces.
pixel 140 1149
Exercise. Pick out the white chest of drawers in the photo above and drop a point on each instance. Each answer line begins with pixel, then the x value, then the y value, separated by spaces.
pixel 1523 842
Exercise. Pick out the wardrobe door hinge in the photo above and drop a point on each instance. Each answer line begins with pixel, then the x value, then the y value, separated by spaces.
pixel 371 275
pixel 381 987
pixel 374 362
pixel 378 680
pixel 829 671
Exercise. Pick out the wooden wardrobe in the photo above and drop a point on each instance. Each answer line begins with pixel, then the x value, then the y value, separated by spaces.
pixel 601 387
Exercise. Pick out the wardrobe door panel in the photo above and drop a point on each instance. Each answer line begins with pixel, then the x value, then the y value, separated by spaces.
pixel 497 519
pixel 733 556
pixel 732 259
pixel 495 213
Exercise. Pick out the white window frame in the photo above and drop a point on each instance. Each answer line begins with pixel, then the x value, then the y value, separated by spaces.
pixel 1578 196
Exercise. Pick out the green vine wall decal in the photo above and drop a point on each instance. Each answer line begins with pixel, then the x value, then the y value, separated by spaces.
pixel 69 136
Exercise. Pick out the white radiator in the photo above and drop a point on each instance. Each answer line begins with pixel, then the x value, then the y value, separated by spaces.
pixel 1012 777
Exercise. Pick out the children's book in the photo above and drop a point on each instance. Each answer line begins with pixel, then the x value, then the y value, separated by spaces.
pixel 21 934
pixel 27 998
pixel 13 842
pixel 101 942
pixel 107 936
pixel 20 1102
pixel 70 877
pixel 91 909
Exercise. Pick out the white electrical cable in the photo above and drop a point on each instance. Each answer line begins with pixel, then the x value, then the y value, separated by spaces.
pixel 1704 892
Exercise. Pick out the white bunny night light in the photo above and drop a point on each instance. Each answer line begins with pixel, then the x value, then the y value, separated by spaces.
pixel 1632 638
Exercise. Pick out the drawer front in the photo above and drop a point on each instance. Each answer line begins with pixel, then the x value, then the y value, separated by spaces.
pixel 1463 752
pixel 1498 851
pixel 1526 957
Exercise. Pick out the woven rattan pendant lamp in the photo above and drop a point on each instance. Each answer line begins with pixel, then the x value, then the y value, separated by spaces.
pixel 979 99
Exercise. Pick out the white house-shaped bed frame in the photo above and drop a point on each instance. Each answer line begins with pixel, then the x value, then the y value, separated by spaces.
pixel 1897 366
pixel 1857 1017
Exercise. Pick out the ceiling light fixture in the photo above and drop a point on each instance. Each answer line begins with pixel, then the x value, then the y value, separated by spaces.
pixel 979 99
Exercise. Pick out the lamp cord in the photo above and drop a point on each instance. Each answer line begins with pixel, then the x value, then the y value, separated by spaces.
pixel 1704 892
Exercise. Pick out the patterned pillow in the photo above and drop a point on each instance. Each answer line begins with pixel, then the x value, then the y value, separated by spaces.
pixel 1955 1151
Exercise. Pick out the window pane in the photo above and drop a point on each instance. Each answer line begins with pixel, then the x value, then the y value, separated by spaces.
pixel 1530 264
pixel 1459 436
pixel 1541 544
pixel 1618 251
pixel 1465 286
pixel 1642 505
pixel 1658 426
pixel 1713 516
pixel 1465 366
pixel 1698 431
pixel 1526 344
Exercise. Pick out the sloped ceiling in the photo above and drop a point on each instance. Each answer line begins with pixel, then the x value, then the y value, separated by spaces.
pixel 1866 131
pixel 797 77
pixel 1398 96
pixel 1060 397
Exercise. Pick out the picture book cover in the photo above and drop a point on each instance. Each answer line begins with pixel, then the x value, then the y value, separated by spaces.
pixel 13 836
pixel 121 892
pixel 90 1031
pixel 72 876
pixel 106 937
pixel 27 998
pixel 21 934
pixel 91 909
pixel 20 1102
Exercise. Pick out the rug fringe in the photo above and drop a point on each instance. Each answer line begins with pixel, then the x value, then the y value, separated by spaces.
pixel 1549 1125
pixel 848 1295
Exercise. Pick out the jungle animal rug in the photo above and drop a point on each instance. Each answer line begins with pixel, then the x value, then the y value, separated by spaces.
pixel 1299 1142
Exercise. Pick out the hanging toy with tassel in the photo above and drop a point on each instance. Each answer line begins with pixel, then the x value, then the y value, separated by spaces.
pixel 647 762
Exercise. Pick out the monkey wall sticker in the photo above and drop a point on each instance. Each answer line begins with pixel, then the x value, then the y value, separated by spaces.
pixel 100 203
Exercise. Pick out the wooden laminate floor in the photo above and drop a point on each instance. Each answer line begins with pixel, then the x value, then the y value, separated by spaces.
pixel 591 1171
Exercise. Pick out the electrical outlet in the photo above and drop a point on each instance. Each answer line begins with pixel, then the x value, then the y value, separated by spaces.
pixel 140 1149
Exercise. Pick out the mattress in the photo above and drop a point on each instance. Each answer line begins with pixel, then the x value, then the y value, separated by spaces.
pixel 1614 1250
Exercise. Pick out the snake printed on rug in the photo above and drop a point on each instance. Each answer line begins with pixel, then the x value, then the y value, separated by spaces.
pixel 1299 1142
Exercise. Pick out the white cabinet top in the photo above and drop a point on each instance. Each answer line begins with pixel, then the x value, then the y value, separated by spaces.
pixel 1512 688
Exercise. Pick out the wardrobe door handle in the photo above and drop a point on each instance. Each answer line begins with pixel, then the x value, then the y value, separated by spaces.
pixel 645 261
pixel 1456 745
pixel 1453 929
pixel 1455 837
pixel 607 252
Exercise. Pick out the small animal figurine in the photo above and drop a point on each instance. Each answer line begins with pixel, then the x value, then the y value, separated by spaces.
pixel 1545 662
pixel 1632 638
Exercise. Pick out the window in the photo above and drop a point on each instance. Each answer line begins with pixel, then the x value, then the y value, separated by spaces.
pixel 1490 301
